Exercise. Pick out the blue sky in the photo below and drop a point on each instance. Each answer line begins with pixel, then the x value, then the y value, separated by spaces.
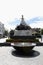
pixel 33 22
pixel 30 21
pixel 11 11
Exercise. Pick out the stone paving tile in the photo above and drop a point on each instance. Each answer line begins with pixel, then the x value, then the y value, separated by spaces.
pixel 6 57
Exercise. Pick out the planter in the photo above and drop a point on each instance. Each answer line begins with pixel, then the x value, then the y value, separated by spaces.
pixel 22 40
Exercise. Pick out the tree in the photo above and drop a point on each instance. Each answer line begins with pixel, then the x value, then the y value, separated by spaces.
pixel 42 31
pixel 11 33
pixel 5 33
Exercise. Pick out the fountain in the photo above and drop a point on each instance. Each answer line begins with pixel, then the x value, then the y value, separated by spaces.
pixel 22 33
pixel 25 47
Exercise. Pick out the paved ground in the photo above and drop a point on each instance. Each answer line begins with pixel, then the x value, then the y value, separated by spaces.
pixel 8 56
pixel 3 40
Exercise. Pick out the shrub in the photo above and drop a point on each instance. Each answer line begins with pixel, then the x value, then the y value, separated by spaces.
pixel 11 33
pixel 20 40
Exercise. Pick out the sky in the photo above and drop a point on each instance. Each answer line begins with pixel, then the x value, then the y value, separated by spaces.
pixel 11 11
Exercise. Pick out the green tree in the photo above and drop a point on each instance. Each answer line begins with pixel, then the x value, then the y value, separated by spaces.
pixel 5 33
pixel 11 33
pixel 42 31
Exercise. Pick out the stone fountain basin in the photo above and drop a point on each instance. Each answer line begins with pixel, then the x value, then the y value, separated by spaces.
pixel 25 47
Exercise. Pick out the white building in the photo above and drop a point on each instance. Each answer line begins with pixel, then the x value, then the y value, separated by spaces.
pixel 1 29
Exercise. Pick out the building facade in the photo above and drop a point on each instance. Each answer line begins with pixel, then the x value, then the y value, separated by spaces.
pixel 2 29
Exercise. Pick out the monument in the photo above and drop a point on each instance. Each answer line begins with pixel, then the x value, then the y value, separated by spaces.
pixel 23 31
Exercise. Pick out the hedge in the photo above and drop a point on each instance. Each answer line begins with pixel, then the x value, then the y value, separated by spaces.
pixel 20 40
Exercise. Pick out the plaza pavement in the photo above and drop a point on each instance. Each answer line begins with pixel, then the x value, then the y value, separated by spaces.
pixel 8 56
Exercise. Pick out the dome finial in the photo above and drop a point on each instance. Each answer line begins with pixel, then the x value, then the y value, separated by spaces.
pixel 22 18
pixel 22 21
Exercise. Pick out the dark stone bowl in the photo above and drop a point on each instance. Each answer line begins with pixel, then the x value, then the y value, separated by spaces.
pixel 25 47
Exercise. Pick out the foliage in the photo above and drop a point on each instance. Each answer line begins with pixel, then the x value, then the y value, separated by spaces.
pixel 42 31
pixel 11 33
pixel 21 40
pixel 6 33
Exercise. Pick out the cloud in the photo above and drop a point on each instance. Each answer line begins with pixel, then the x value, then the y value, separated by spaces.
pixel 36 22
pixel 9 27
pixel 11 24
pixel 14 22
pixel 10 9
